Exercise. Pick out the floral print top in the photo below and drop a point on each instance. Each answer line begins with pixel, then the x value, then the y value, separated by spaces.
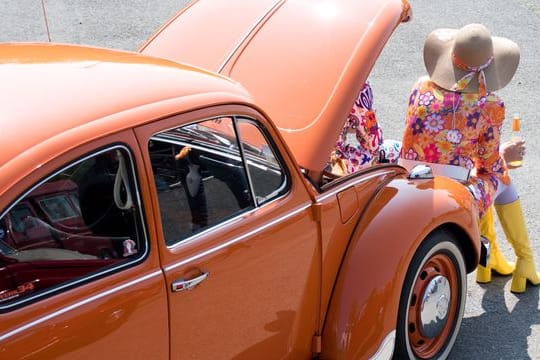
pixel 363 123
pixel 456 128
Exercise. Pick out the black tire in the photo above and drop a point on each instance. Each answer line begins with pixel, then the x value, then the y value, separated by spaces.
pixel 432 300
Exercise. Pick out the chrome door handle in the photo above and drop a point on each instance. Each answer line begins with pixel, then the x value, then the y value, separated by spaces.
pixel 183 284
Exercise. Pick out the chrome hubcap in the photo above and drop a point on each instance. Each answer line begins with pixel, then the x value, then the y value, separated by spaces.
pixel 435 305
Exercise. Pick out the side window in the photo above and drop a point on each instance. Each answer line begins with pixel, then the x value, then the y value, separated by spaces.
pixel 201 175
pixel 266 173
pixel 79 222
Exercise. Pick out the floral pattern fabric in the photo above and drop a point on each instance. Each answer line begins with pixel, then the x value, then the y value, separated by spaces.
pixel 363 123
pixel 456 128
pixel 390 150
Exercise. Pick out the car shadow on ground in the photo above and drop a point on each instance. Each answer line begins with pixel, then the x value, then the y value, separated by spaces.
pixel 500 332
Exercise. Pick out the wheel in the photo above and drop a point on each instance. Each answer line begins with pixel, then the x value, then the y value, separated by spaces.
pixel 432 300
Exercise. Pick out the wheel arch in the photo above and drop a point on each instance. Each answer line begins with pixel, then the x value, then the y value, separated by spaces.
pixel 465 242
pixel 364 306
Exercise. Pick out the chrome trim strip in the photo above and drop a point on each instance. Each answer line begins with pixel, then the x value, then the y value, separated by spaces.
pixel 354 182
pixel 196 236
pixel 230 242
pixel 386 350
pixel 76 305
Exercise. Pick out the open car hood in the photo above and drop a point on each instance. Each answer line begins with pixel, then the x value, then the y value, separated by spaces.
pixel 303 61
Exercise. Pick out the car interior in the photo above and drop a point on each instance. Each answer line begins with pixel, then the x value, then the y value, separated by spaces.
pixel 78 222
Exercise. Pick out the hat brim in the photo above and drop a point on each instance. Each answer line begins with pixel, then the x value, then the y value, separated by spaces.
pixel 442 71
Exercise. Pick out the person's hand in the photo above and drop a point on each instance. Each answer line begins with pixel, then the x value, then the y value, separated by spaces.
pixel 513 150
pixel 183 153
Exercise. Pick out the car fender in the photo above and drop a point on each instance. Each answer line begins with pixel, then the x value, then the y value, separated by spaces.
pixel 363 310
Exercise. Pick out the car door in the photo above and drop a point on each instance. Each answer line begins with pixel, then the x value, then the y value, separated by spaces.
pixel 99 295
pixel 238 244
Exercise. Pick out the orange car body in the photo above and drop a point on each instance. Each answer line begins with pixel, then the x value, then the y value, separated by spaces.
pixel 314 271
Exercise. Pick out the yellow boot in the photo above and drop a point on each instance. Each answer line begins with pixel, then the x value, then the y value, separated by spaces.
pixel 497 261
pixel 513 224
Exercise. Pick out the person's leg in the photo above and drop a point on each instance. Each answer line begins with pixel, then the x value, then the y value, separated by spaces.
pixel 497 261
pixel 510 214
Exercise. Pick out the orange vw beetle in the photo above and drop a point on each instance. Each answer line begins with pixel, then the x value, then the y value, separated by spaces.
pixel 162 204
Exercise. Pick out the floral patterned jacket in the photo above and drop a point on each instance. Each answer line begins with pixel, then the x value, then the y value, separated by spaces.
pixel 363 123
pixel 456 128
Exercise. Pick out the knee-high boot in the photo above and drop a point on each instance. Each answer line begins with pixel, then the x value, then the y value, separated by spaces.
pixel 513 224
pixel 497 261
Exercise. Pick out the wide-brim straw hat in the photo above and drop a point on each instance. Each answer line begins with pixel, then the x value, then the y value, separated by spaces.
pixel 473 45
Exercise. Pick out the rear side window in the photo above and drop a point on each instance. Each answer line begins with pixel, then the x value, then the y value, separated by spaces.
pixel 82 221
pixel 212 171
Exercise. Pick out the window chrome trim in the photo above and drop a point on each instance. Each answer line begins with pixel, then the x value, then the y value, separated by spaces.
pixel 76 305
pixel 59 288
pixel 235 240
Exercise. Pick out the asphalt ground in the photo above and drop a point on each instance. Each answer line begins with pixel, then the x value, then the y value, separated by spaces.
pixel 497 323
